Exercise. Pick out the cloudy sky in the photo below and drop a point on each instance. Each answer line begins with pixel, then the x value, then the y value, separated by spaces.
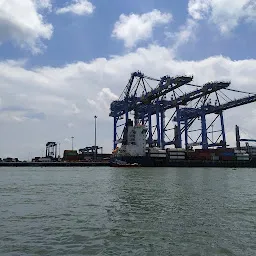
pixel 63 61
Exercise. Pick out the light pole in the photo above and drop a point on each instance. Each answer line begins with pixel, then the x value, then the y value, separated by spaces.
pixel 59 149
pixel 72 138
pixel 95 138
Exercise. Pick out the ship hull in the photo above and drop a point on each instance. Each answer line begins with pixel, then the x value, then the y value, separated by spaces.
pixel 146 161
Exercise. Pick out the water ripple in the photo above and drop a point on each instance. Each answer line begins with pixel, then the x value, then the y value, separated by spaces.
pixel 89 211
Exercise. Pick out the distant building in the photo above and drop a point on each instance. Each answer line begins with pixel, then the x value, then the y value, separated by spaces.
pixel 10 159
pixel 70 155
pixel 42 159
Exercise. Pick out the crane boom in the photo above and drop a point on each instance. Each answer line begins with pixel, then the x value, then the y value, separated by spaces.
pixel 210 109
pixel 167 84
pixel 183 100
pixel 236 103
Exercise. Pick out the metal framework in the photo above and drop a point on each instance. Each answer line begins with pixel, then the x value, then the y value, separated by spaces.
pixel 149 105
pixel 238 138
pixel 90 150
pixel 51 149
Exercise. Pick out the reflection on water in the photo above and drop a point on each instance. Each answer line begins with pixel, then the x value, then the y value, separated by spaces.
pixel 120 211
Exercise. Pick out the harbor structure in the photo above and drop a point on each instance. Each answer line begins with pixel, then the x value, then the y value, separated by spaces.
pixel 141 104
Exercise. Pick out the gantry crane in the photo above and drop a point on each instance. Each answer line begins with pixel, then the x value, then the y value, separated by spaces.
pixel 188 115
pixel 238 139
pixel 144 102
pixel 51 149
pixel 176 103
pixel 133 99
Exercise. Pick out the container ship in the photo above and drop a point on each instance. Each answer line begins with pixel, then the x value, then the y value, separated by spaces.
pixel 135 152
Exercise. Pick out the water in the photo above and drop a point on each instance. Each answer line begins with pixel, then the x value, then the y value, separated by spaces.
pixel 115 211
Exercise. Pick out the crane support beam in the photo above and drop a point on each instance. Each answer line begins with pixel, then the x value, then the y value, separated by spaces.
pixel 183 100
pixel 163 88
pixel 249 140
pixel 210 109
pixel 235 103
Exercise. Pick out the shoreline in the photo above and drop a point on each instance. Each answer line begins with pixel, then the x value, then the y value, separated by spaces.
pixel 52 164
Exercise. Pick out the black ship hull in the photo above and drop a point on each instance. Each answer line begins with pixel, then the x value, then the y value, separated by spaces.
pixel 146 161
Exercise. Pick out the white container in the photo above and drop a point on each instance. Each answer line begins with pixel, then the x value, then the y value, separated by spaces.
pixel 242 155
pixel 215 158
pixel 176 149
pixel 177 157
pixel 242 159
pixel 158 155
pixel 240 151
pixel 157 150
pixel 177 153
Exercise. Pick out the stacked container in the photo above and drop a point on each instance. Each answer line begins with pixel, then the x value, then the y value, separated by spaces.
pixel 226 154
pixel 223 154
pixel 204 154
pixel 191 155
pixel 250 150
pixel 157 152
pixel 176 154
pixel 70 155
pixel 241 155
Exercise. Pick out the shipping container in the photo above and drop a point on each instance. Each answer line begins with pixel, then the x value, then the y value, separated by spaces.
pixel 71 158
pixel 242 158
pixel 175 150
pixel 202 158
pixel 240 152
pixel 229 153
pixel 177 153
pixel 70 153
pixel 227 158
pixel 177 157
pixel 215 158
pixel 158 155
pixel 199 157
pixel 157 150
pixel 225 149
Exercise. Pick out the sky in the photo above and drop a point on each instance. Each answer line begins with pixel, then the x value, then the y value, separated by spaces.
pixel 64 61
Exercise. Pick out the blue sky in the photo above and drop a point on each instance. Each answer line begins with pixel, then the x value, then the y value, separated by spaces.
pixel 58 66
pixel 85 37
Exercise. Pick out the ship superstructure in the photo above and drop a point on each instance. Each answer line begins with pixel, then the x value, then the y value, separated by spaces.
pixel 133 141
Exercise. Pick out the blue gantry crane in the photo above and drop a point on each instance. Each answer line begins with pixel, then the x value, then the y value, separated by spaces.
pixel 238 138
pixel 144 101
pixel 187 116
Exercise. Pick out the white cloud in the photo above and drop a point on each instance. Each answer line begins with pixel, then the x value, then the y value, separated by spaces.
pixel 225 14
pixel 103 100
pixel 75 109
pixel 198 8
pixel 42 101
pixel 78 7
pixel 42 4
pixel 21 24
pixel 70 125
pixel 185 33
pixel 134 28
